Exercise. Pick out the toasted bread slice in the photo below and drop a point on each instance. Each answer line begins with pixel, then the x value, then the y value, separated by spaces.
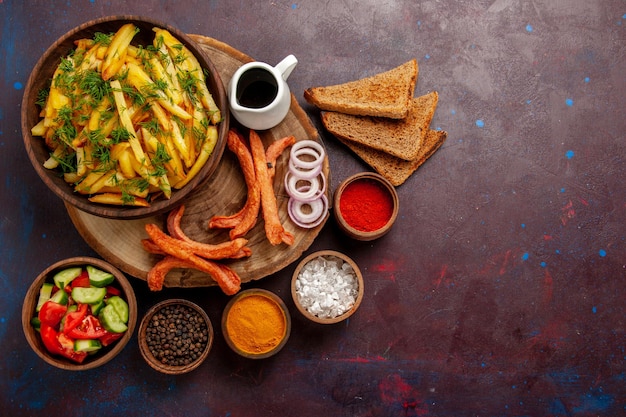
pixel 398 137
pixel 397 170
pixel 386 94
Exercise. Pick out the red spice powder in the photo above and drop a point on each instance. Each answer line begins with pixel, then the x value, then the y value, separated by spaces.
pixel 366 205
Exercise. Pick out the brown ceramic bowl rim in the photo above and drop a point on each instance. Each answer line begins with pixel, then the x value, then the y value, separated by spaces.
pixel 359 277
pixel 28 310
pixel 64 191
pixel 143 345
pixel 359 234
pixel 274 298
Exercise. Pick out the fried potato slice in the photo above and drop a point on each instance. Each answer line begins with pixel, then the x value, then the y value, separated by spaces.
pixel 119 200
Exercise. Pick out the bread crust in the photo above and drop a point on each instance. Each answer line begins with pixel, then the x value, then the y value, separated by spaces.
pixel 398 137
pixel 397 170
pixel 386 94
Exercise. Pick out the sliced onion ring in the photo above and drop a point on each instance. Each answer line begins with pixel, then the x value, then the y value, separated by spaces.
pixel 303 172
pixel 319 208
pixel 306 192
pixel 307 147
pixel 302 193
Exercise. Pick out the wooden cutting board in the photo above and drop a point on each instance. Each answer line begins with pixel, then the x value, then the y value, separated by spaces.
pixel 119 241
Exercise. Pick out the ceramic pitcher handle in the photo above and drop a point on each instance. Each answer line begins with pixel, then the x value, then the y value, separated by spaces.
pixel 286 66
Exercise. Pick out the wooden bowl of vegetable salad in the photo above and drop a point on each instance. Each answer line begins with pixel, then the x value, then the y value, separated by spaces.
pixel 123 117
pixel 79 313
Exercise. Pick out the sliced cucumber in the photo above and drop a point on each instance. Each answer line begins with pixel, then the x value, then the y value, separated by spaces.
pixel 98 277
pixel 44 294
pixel 89 295
pixel 97 308
pixel 64 277
pixel 36 323
pixel 111 321
pixel 120 306
pixel 87 345
pixel 60 297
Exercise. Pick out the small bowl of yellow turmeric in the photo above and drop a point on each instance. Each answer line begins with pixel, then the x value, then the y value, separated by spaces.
pixel 256 323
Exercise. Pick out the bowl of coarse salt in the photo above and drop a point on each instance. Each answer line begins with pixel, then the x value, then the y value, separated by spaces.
pixel 327 287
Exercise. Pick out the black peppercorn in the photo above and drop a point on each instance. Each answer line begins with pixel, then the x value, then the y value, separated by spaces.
pixel 171 333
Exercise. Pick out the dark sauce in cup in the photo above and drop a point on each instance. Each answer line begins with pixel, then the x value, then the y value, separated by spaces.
pixel 257 88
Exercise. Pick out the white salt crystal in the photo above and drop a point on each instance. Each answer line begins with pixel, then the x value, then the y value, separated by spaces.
pixel 327 287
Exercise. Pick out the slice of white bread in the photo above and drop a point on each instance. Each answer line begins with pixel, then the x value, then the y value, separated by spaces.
pixel 386 94
pixel 398 137
pixel 397 170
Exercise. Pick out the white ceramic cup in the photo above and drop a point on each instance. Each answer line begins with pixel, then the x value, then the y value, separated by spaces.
pixel 258 93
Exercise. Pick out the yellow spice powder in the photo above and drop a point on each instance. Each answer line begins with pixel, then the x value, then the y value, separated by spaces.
pixel 256 324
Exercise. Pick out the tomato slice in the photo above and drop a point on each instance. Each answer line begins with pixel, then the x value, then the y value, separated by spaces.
pixel 51 313
pixel 109 338
pixel 49 339
pixel 59 344
pixel 89 328
pixel 113 291
pixel 67 349
pixel 82 280
pixel 74 318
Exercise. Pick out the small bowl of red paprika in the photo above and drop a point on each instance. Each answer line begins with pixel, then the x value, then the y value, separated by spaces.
pixel 366 206
pixel 79 313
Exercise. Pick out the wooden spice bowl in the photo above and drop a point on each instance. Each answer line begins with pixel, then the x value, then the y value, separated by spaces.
pixel 103 355
pixel 144 346
pixel 244 311
pixel 40 78
pixel 391 201
pixel 296 286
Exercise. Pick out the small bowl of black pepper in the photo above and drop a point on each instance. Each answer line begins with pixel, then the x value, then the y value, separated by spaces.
pixel 175 336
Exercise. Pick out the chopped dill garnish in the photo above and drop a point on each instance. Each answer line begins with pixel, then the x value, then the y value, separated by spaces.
pixel 103 38
pixel 92 83
pixel 152 126
pixel 120 134
pixel 161 156
pixel 42 97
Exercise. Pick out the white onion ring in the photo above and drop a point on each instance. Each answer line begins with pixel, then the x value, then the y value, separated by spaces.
pixel 301 193
pixel 304 173
pixel 319 209
pixel 307 147
pixel 308 192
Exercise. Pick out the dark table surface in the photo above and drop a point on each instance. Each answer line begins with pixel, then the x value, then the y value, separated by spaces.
pixel 500 291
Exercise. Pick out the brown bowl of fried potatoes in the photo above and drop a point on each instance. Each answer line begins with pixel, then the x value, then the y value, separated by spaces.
pixel 123 117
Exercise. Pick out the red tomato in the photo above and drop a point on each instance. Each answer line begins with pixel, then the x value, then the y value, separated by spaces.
pixel 67 349
pixel 89 328
pixel 82 280
pixel 59 344
pixel 49 338
pixel 113 291
pixel 74 318
pixel 109 338
pixel 51 313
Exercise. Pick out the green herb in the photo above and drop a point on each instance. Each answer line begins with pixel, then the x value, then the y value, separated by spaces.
pixel 135 96
pixel 161 156
pixel 120 134
pixel 42 97
pixel 127 198
pixel 100 150
pixel 66 132
pixel 136 183
pixel 91 82
pixel 102 38
pixel 67 163
pixel 152 126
